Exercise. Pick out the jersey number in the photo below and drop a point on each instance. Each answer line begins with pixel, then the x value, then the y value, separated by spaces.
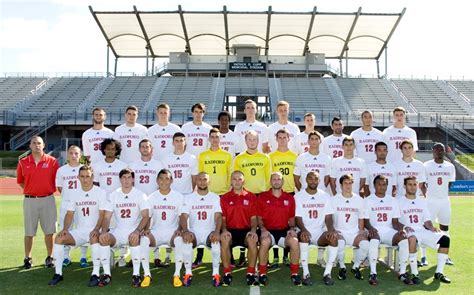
pixel 125 213
pixel 439 181
pixel 178 173
pixel 96 146
pixel 413 218
pixel 163 144
pixel 109 180
pixel 313 214
pixel 348 216
pixel 202 215
pixel 397 145
pixel 285 171
pixel 336 154
pixel 197 141
pixel 381 217
pixel 369 148
pixel 72 184
pixel 163 215
pixel 85 211
pixel 129 143
pixel 214 170
pixel 144 179
pixel 253 171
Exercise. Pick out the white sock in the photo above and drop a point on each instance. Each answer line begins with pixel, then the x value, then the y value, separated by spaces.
pixel 373 255
pixel 304 253
pixel 145 255
pixel 156 253
pixel 403 255
pixel 332 251
pixel 84 252
pixel 423 251
pixel 341 253
pixel 321 253
pixel 105 259
pixel 95 249
pixel 178 255
pixel 58 255
pixel 188 258
pixel 216 257
pixel 135 253
pixel 413 263
pixel 361 253
pixel 67 251
pixel 168 253
pixel 441 262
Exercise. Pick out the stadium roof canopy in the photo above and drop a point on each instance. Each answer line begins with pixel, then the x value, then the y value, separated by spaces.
pixel 131 33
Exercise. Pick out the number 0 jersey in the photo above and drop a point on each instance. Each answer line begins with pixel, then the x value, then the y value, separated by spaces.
pixel 256 169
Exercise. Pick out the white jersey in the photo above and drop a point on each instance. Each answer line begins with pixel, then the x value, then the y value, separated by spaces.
pixel 291 127
pixel 86 206
pixel 130 138
pixel 388 170
pixel 404 169
pixel 365 143
pixel 242 127
pixel 161 138
pixel 230 142
pixel 347 212
pixel 197 137
pixel 307 162
pixel 393 139
pixel 313 209
pixel 201 211
pixel 438 177
pixel 182 167
pixel 414 213
pixel 127 207
pixel 166 209
pixel 301 142
pixel 355 166
pixel 332 146
pixel 67 178
pixel 145 175
pixel 91 140
pixel 107 174
pixel 380 211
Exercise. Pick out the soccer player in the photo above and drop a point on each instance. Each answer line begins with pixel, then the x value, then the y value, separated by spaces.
pixel 283 160
pixel 67 178
pixel 204 214
pixel 130 134
pixel 239 227
pixel 276 220
pixel 166 206
pixel 161 134
pixel 349 222
pixel 130 209
pixel 197 131
pixel 417 220
pixel 381 167
pixel 332 145
pixel 348 164
pixel 216 163
pixel 182 165
pixel 92 137
pixel 408 166
pixel 381 220
pixel 301 140
pixel 283 109
pixel 146 168
pixel 251 123
pixel 254 165
pixel 314 219
pixel 106 172
pixel 366 137
pixel 397 133
pixel 87 208
pixel 229 139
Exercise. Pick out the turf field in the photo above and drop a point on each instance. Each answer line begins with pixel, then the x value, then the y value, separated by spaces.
pixel 15 280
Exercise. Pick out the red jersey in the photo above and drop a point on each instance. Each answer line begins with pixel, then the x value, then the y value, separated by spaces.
pixel 274 211
pixel 238 209
pixel 38 179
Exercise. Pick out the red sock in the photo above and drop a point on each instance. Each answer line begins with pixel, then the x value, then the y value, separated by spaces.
pixel 251 270
pixel 294 268
pixel 227 270
pixel 262 269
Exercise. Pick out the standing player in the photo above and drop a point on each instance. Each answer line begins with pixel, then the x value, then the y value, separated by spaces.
pixel 130 209
pixel 161 134
pixel 283 109
pixel 130 134
pixel 87 208
pixel 314 219
pixel 332 145
pixel 251 123
pixel 381 167
pixel 301 140
pixel 204 214
pixel 146 168
pixel 408 166
pixel 283 160
pixel 106 172
pixel 197 131
pixel 398 132
pixel 92 137
pixel 229 139
pixel 366 137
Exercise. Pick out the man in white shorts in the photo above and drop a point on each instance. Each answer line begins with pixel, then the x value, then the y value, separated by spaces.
pixel 92 137
pixel 161 134
pixel 197 131
pixel 130 134
pixel 366 137
pixel 398 132
pixel 332 145
pixel 381 167
pixel 283 110
pixel 301 140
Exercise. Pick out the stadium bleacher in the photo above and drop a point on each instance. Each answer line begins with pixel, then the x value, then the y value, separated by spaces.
pixel 465 87
pixel 14 90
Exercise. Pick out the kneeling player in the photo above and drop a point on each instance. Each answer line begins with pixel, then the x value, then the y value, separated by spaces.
pixel 313 215
pixel 88 205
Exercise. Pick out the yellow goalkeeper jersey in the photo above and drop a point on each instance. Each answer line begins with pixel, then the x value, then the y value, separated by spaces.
pixel 284 162
pixel 218 165
pixel 256 169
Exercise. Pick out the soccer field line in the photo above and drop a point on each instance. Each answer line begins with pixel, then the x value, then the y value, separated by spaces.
pixel 254 290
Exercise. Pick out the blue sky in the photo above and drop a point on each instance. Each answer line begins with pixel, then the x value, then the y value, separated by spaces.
pixel 434 39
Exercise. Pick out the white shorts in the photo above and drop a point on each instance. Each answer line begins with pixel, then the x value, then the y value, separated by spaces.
pixel 386 235
pixel 315 236
pixel 440 209
pixel 427 238
pixel 80 235
pixel 201 237
pixel 349 236
pixel 121 235
pixel 162 237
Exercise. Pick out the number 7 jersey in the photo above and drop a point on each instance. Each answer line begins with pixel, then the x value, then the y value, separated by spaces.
pixel 347 212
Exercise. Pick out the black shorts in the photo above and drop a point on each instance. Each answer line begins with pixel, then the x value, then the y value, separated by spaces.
pixel 238 237
pixel 278 234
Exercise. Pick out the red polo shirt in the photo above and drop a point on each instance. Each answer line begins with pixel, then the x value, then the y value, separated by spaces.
pixel 38 179
pixel 276 212
pixel 238 209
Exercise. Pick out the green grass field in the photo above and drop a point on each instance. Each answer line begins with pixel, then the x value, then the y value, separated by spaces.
pixel 15 280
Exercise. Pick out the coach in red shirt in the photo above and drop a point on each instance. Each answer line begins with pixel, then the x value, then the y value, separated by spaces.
pixel 36 174
pixel 276 220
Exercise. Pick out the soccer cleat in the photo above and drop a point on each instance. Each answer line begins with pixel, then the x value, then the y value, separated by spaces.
pixel 121 262
pixel 105 280
pixel 342 275
pixel 251 279
pixel 416 279
pixel 227 279
pixel 146 282
pixel 242 260
pixel 321 262
pixel 424 261
pixel 307 281
pixel 373 279
pixel 66 262
pixel 196 263
pixel 83 262
pixel 263 280
pixel 275 263
pixel 129 263
pixel 286 261
pixel 27 263
pixel 94 281
pixel 48 262
pixel 405 279
pixel 449 261
pixel 55 280
pixel 136 281
pixel 296 280
pixel 177 282
pixel 187 280
pixel 167 262
pixel 357 274
pixel 328 281
pixel 442 278
pixel 216 280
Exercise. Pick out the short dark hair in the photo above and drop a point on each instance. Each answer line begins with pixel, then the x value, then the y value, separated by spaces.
pixel 314 132
pixel 200 106
pixel 144 140
pixel 404 142
pixel 97 109
pixel 348 138
pixel 213 130
pixel 107 141
pixel 399 109
pixel 344 177
pixel 335 119
pixel 224 113
pixel 126 171
pixel 85 168
pixel 380 143
pixel 406 179
pixel 165 171
pixel 178 134
pixel 382 177
pixel 131 107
